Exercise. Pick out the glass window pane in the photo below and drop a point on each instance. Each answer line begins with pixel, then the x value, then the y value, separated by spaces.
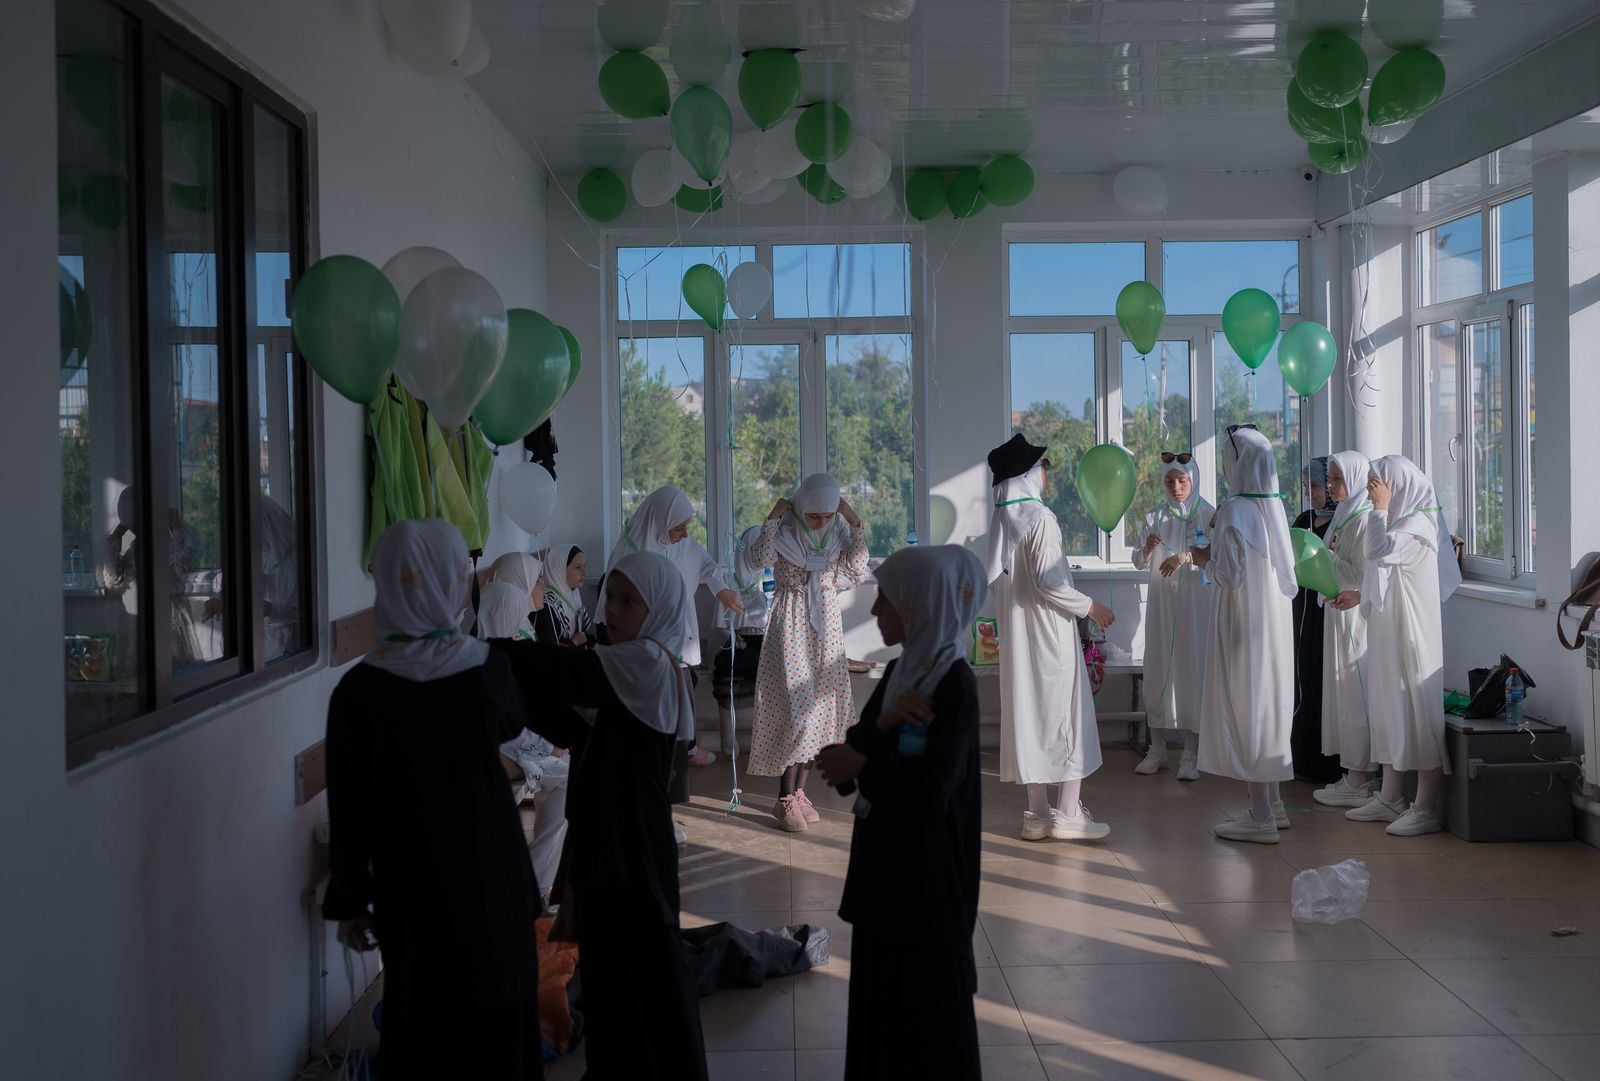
pixel 1155 417
pixel 1072 279
pixel 870 445
pixel 1440 353
pixel 664 421
pixel 1530 560
pixel 1488 440
pixel 650 280
pixel 850 281
pixel 1450 260
pixel 1262 399
pixel 104 595
pixel 283 565
pixel 1053 398
pixel 1516 241
pixel 1198 277
pixel 766 427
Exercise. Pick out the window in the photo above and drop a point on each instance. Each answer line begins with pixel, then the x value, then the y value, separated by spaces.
pixel 1054 402
pixel 1450 260
pixel 1073 278
pixel 1513 226
pixel 1198 277
pixel 823 383
pixel 1155 417
pixel 182 401
pixel 1261 398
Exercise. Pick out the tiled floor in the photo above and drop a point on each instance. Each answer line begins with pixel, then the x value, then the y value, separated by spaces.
pixel 1166 953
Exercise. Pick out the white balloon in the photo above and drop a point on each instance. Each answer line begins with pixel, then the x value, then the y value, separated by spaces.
pixel 631 24
pixel 406 268
pixel 528 496
pixel 770 192
pixel 769 26
pixel 880 206
pixel 749 289
pixel 1392 133
pixel 887 11
pixel 472 60
pixel 863 169
pixel 777 155
pixel 436 29
pixel 653 177
pixel 740 166
pixel 452 340
pixel 1140 190
pixel 700 51
pixel 684 173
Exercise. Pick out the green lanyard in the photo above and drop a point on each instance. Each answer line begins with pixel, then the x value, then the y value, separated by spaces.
pixel 1413 514
pixel 676 659
pixel 1352 516
pixel 445 632
pixel 817 543
pixel 1261 495
pixel 1014 502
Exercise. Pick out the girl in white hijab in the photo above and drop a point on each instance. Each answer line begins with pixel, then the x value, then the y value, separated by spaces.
pixel 1178 616
pixel 523 572
pixel 1345 666
pixel 816 546
pixel 1247 707
pixel 565 619
pixel 1410 571
pixel 1049 740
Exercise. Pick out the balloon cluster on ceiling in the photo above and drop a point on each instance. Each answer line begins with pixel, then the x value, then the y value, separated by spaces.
pixel 1325 98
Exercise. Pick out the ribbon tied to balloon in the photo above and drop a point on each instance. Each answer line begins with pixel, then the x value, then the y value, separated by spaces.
pixel 1313 563
pixel 1107 479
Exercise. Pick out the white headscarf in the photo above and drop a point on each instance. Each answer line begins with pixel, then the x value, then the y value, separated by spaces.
pixel 1253 506
pixel 1176 521
pixel 1414 508
pixel 521 570
pixel 937 592
pixel 1356 468
pixel 746 574
pixel 644 673
pixel 1018 506
pixel 646 531
pixel 813 552
pixel 503 611
pixel 555 579
pixel 422 571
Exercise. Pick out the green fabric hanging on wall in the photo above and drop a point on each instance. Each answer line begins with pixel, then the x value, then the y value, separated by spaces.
pixel 455 488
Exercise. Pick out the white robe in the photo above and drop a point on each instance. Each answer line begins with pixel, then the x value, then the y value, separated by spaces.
pixel 1047 721
pixel 1176 621
pixel 1345 666
pixel 1405 648
pixel 698 569
pixel 1247 707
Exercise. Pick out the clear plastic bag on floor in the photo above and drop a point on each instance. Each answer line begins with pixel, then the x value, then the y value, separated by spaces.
pixel 1330 894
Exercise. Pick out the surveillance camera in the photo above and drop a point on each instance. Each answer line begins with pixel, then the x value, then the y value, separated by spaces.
pixel 1309 175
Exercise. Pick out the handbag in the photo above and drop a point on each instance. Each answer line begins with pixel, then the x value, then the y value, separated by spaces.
pixel 1586 593
pixel 1488 687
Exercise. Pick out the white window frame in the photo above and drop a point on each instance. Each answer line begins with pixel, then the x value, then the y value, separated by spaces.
pixel 1199 330
pixel 809 333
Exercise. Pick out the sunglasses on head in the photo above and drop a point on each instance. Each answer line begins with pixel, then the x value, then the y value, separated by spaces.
pixel 1237 427
pixel 1167 457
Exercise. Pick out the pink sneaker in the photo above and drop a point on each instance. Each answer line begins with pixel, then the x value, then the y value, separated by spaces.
pixel 805 806
pixel 789 815
pixel 702 757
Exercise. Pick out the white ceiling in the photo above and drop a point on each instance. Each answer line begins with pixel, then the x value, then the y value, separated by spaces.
pixel 1076 85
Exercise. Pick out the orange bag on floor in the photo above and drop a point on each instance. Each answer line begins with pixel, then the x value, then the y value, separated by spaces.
pixel 557 962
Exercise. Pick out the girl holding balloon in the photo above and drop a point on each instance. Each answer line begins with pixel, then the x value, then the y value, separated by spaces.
pixel 1345 731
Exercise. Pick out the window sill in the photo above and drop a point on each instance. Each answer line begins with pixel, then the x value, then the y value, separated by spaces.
pixel 1108 572
pixel 1494 593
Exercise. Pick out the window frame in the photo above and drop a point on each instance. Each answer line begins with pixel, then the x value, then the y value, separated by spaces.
pixel 1200 330
pixel 158 46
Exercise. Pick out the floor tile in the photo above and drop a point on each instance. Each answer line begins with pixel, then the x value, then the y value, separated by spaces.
pixel 1237 876
pixel 1459 1058
pixel 1080 933
pixel 817 885
pixel 1527 996
pixel 736 884
pixel 1494 928
pixel 1571 1058
pixel 1415 877
pixel 1208 1060
pixel 757 1019
pixel 1067 1004
pixel 750 1065
pixel 1538 870
pixel 1323 999
pixel 821 1006
pixel 999 1021
pixel 1231 932
pixel 819 1065
pixel 1011 1063
pixel 1011 883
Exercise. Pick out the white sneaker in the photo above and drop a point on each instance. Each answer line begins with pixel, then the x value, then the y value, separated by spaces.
pixel 1414 823
pixel 1155 760
pixel 1341 793
pixel 1078 827
pixel 1035 827
pixel 1246 828
pixel 1188 768
pixel 1375 810
pixel 679 836
pixel 1280 815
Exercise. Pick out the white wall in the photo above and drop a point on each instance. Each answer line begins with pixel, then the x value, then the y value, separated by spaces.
pixel 152 912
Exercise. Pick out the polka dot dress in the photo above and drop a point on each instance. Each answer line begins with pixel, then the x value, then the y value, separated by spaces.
pixel 803 700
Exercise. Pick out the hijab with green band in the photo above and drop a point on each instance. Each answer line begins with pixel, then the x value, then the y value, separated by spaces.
pixel 1018 507
pixel 812 551
pixel 422 572
pixel 1356 468
pixel 1414 509
pixel 503 612
pixel 644 673
pixel 1255 511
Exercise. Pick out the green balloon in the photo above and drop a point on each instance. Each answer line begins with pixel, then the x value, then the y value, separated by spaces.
pixel 1307 356
pixel 575 353
pixel 635 86
pixel 966 192
pixel 698 200
pixel 822 187
pixel 1408 85
pixel 104 200
pixel 1007 180
pixel 707 293
pixel 769 85
pixel 1340 158
pixel 1315 124
pixel 823 132
pixel 531 380
pixel 1313 563
pixel 1140 313
pixel 193 197
pixel 702 130
pixel 925 194
pixel 1107 479
pixel 346 320
pixel 1332 70
pixel 1250 322
pixel 602 195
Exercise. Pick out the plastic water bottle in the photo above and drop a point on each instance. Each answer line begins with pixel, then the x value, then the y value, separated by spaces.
pixel 1516 693
pixel 76 571
pixel 1202 543
pixel 911 537
pixel 768 582
pixel 913 740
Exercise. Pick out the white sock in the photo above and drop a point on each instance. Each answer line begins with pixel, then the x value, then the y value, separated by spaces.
pixel 1428 781
pixel 1355 778
pixel 1191 743
pixel 1068 803
pixel 1158 743
pixel 1038 802
pixel 1260 800
pixel 1274 791
pixel 1394 786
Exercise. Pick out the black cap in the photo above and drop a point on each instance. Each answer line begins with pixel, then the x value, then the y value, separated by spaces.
pixel 1014 458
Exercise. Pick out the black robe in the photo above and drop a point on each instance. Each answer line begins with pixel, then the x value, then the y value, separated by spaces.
pixel 641 1009
pixel 1305 737
pixel 911 894
pixel 424 831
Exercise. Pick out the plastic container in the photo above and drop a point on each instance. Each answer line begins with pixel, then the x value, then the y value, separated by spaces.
pixel 911 537
pixel 76 569
pixel 1516 694
pixel 1202 542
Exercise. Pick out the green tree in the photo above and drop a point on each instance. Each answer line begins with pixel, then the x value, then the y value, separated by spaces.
pixel 75 479
pixel 766 433
pixel 870 441
pixel 1066 437
pixel 663 440
pixel 1239 401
